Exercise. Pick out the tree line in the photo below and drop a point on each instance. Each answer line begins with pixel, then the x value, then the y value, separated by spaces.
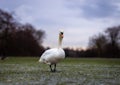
pixel 105 45
pixel 18 39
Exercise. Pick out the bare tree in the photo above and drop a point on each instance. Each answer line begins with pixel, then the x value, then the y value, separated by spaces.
pixel 98 43
pixel 113 46
pixel 114 35
pixel 18 39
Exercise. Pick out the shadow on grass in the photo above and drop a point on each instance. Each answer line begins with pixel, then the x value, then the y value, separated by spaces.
pixel 45 71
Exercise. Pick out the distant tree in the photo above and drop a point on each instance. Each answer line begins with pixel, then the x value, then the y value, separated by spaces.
pixel 113 36
pixel 98 43
pixel 18 39
pixel 107 45
pixel 6 27
pixel 29 43
pixel 71 52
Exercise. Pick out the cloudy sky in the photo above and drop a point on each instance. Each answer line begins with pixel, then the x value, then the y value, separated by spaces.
pixel 80 19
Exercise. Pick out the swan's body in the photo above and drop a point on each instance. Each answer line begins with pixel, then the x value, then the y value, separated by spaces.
pixel 54 55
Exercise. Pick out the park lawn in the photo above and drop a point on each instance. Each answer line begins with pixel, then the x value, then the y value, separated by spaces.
pixel 70 71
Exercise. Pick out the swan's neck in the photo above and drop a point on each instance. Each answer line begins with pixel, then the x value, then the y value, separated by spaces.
pixel 59 42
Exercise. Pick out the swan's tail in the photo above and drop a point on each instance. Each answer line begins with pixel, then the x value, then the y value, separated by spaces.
pixel 40 60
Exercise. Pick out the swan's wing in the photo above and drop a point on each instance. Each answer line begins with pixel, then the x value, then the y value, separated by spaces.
pixel 50 52
pixel 48 56
pixel 52 56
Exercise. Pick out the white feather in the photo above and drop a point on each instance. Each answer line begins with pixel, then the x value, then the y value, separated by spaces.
pixel 52 56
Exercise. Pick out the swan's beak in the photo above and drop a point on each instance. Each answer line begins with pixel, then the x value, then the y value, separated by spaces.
pixel 62 36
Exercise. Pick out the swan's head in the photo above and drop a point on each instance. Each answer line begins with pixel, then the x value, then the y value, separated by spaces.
pixel 61 34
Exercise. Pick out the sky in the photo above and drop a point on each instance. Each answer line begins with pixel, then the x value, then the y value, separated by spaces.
pixel 79 19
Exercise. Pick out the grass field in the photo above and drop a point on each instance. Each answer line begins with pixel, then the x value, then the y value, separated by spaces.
pixel 71 71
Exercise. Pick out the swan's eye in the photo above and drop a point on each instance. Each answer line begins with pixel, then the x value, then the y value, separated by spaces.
pixel 62 33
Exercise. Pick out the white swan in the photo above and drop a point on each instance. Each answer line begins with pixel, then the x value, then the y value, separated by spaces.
pixel 54 55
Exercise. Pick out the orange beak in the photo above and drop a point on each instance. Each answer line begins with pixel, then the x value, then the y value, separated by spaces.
pixel 62 36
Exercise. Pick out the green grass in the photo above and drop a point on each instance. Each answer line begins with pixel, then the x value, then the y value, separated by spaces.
pixel 71 71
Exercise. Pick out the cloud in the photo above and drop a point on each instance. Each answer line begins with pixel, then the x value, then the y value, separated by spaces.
pixel 80 19
pixel 95 8
pixel 23 14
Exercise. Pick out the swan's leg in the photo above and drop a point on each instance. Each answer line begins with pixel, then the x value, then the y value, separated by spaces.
pixel 51 67
pixel 54 67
